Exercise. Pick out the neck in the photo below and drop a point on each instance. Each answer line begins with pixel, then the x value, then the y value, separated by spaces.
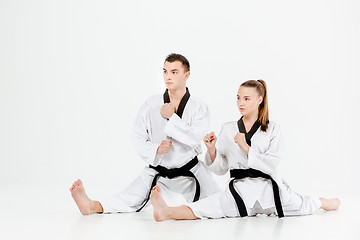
pixel 177 94
pixel 250 118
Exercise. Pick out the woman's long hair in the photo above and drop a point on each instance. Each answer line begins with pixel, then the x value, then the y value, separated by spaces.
pixel 263 110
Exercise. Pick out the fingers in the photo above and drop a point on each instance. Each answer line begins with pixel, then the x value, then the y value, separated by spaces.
pixel 164 147
pixel 239 137
pixel 165 143
pixel 168 106
pixel 209 137
pixel 167 110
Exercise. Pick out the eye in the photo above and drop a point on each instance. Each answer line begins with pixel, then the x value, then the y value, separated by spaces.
pixel 174 72
pixel 165 71
pixel 247 99
pixel 238 98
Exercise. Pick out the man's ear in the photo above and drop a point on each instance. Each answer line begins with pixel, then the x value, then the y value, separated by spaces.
pixel 187 75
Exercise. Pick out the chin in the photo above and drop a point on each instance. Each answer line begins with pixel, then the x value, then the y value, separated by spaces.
pixel 170 87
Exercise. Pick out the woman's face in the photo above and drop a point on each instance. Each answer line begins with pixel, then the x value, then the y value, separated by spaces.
pixel 248 101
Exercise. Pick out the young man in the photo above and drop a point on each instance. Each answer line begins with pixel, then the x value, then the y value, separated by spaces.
pixel 167 134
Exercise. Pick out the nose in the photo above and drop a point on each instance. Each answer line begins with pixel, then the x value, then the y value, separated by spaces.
pixel 167 76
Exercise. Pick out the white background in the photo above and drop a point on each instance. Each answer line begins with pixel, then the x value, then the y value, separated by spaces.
pixel 73 75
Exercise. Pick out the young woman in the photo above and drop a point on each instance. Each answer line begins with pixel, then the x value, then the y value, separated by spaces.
pixel 251 149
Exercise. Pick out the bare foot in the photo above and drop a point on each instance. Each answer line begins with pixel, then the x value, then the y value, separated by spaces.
pixel 161 209
pixel 81 199
pixel 330 204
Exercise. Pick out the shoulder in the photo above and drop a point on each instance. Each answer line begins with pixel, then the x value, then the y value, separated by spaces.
pixel 155 99
pixel 196 101
pixel 230 126
pixel 273 125
pixel 273 128
pixel 151 103
pixel 197 104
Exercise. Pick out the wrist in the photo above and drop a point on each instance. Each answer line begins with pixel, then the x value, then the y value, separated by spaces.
pixel 246 149
pixel 169 115
pixel 212 153
pixel 211 150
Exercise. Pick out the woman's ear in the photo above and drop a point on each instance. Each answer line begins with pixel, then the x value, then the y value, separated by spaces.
pixel 260 100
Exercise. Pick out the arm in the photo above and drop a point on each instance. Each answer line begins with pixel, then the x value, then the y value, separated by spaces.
pixel 268 161
pixel 141 139
pixel 214 158
pixel 192 134
pixel 220 164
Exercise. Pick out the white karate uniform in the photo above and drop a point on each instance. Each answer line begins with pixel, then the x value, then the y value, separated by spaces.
pixel 257 193
pixel 186 134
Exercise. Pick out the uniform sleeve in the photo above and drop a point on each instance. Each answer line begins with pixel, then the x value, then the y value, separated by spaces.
pixel 220 165
pixel 268 161
pixel 189 134
pixel 141 139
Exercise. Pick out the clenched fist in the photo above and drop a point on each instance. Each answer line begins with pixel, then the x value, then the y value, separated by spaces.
pixel 210 140
pixel 164 147
pixel 167 110
pixel 241 141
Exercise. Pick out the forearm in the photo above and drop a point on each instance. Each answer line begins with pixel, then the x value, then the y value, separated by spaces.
pixel 212 153
pixel 218 165
pixel 189 134
pixel 265 162
pixel 146 150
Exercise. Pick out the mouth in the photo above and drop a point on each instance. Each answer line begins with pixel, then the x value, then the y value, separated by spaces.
pixel 242 109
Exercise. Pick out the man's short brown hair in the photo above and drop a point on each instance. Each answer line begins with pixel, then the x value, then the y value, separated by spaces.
pixel 178 57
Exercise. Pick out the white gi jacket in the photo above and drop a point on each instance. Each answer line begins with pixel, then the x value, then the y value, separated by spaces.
pixel 265 154
pixel 186 133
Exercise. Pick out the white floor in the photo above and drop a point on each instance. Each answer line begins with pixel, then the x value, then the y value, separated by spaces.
pixel 42 211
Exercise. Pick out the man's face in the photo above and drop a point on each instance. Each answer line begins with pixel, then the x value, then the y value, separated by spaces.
pixel 174 75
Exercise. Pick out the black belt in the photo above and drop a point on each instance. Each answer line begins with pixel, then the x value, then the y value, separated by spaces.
pixel 253 173
pixel 183 171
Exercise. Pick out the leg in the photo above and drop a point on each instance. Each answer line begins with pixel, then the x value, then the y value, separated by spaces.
pixel 163 212
pixel 330 204
pixel 84 203
pixel 131 198
pixel 298 204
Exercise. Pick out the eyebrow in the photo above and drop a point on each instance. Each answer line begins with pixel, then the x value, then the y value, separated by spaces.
pixel 240 96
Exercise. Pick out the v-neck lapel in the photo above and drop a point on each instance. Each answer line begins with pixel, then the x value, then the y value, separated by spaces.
pixel 182 103
pixel 252 131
